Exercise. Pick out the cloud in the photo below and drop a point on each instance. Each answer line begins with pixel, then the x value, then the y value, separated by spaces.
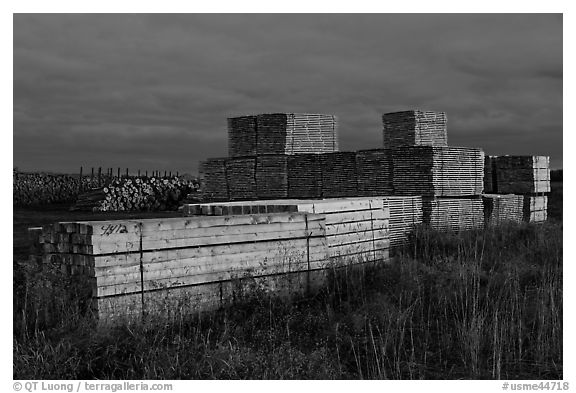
pixel 155 90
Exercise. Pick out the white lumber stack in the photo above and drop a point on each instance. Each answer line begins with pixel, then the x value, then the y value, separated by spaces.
pixel 522 174
pixel 500 209
pixel 438 171
pixel 405 214
pixel 282 133
pixel 414 128
pixel 355 227
pixel 535 208
pixel 154 255
pixel 453 214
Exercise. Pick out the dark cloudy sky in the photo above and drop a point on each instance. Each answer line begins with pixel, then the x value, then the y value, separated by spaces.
pixel 154 91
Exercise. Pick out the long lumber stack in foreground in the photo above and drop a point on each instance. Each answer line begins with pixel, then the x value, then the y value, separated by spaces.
pixel 414 128
pixel 405 214
pixel 355 227
pixel 453 214
pixel 499 209
pixel 535 208
pixel 138 264
pixel 438 171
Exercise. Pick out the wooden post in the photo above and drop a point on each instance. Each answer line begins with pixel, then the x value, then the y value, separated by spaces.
pixel 92 176
pixel 170 174
pixel 118 172
pixel 164 173
pixel 99 176
pixel 138 172
pixel 176 173
pixel 146 172
pixel 126 172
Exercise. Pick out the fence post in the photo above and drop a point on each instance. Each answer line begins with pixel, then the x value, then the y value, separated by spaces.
pixel 80 182
pixel 118 172
pixel 138 172
pixel 126 172
pixel 99 176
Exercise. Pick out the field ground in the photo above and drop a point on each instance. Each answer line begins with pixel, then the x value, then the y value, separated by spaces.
pixel 483 304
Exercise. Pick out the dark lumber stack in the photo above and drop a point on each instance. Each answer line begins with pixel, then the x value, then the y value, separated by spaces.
pixel 241 178
pixel 438 171
pixel 374 172
pixel 453 214
pixel 499 209
pixel 213 179
pixel 490 174
pixel 242 136
pixel 522 174
pixel 339 178
pixel 414 128
pixel 272 177
pixel 305 176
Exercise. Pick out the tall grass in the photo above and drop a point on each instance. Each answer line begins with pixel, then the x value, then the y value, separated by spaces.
pixel 484 304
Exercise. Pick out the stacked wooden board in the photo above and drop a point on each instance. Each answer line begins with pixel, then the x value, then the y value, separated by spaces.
pixel 535 208
pixel 355 227
pixel 282 133
pixel 242 136
pixel 438 171
pixel 305 176
pixel 241 178
pixel 272 176
pixel 499 209
pixel 405 214
pixel 414 128
pixel 339 178
pixel 140 264
pixel 522 174
pixel 490 174
pixel 374 172
pixel 213 179
pixel 453 214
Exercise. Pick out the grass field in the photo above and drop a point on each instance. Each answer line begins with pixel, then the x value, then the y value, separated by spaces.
pixel 483 304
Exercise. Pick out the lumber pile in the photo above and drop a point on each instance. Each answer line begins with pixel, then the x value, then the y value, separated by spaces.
pixel 374 172
pixel 355 227
pixel 453 214
pixel 136 194
pixel 339 177
pixel 31 189
pixel 241 178
pixel 438 171
pixel 405 214
pixel 213 180
pixel 282 133
pixel 414 128
pixel 490 174
pixel 305 176
pixel 522 174
pixel 535 208
pixel 499 209
pixel 272 176
pixel 138 265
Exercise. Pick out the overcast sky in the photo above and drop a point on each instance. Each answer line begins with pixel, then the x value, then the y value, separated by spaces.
pixel 154 91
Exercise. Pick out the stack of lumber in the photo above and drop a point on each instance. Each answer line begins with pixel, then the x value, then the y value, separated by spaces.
pixel 31 189
pixel 339 178
pixel 272 176
pixel 499 209
pixel 136 194
pixel 242 136
pixel 142 264
pixel 535 208
pixel 355 227
pixel 305 176
pixel 405 214
pixel 438 171
pixel 522 174
pixel 414 128
pixel 241 178
pixel 213 180
pixel 490 174
pixel 453 214
pixel 282 133
pixel 374 172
